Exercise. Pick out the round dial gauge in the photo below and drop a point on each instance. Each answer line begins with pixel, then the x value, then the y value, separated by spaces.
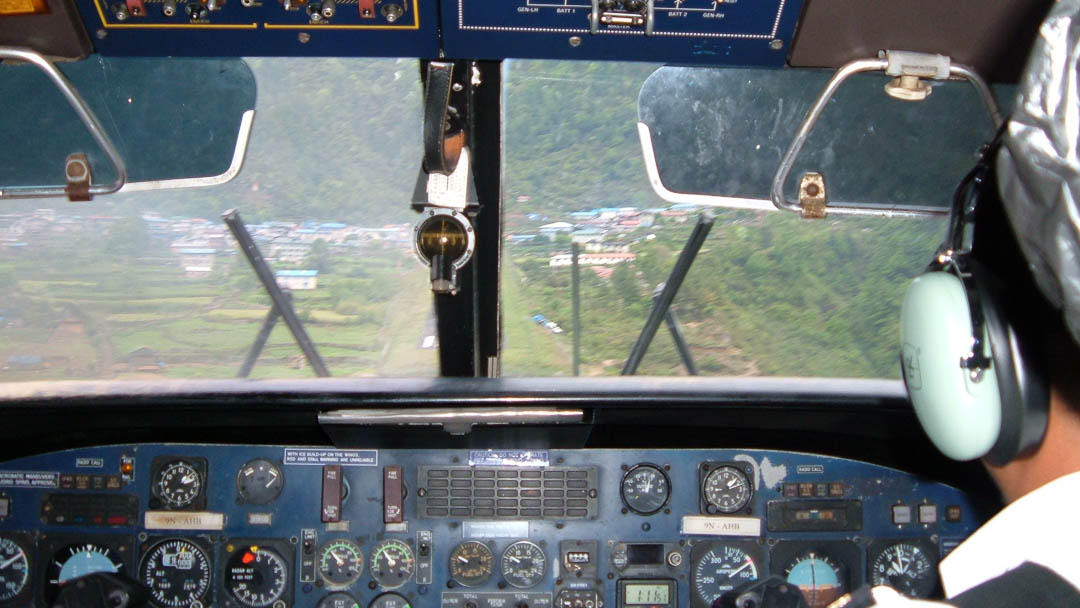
pixel 390 600
pixel 340 563
pixel 177 573
pixel 471 563
pixel 256 576
pixel 722 569
pixel 74 561
pixel 645 489
pixel 337 600
pixel 392 564
pixel 523 564
pixel 906 568
pixel 14 569
pixel 259 481
pixel 819 577
pixel 727 489
pixel 179 484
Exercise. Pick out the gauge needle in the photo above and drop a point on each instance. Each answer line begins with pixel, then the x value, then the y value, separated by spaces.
pixel 745 565
pixel 391 561
pixel 513 559
pixel 187 479
pixel 340 560
pixel 9 562
pixel 463 559
pixel 273 478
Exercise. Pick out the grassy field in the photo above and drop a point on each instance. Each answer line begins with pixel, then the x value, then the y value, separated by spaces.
pixel 529 349
pixel 71 321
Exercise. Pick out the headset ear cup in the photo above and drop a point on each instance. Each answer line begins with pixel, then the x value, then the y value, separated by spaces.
pixel 960 414
pixel 1019 368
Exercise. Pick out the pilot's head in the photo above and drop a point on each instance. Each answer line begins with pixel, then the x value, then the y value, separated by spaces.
pixel 991 339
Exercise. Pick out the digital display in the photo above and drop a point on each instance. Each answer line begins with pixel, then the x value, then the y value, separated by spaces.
pixel 650 593
pixel 644 555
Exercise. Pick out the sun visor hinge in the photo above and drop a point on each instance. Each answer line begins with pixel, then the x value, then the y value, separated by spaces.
pixel 911 70
pixel 78 178
pixel 812 196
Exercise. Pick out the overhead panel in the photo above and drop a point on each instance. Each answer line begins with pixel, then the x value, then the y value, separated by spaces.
pixel 373 28
pixel 685 31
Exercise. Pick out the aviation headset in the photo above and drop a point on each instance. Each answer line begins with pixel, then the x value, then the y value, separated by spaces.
pixel 970 357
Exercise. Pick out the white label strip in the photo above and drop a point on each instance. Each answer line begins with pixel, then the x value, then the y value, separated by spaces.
pixel 721 526
pixel 196 520
pixel 495 529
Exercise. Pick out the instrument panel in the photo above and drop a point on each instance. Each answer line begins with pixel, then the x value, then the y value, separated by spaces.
pixel 717 32
pixel 283 526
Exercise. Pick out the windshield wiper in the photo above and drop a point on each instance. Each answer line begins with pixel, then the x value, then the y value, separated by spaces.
pixel 282 303
pixel 662 308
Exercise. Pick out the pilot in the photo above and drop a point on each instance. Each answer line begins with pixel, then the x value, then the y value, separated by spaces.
pixel 1019 410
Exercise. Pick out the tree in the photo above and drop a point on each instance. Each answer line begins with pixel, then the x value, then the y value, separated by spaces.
pixel 128 237
pixel 319 257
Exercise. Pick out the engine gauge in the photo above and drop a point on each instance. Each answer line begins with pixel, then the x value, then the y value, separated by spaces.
pixel 14 569
pixel 256 576
pixel 177 484
pixel 259 482
pixel 820 578
pixel 390 600
pixel 906 566
pixel 78 560
pixel 471 563
pixel 523 564
pixel 340 563
pixel 645 489
pixel 721 568
pixel 392 564
pixel 727 489
pixel 177 573
pixel 338 600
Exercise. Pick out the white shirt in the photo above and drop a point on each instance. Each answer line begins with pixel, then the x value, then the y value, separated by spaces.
pixel 1040 527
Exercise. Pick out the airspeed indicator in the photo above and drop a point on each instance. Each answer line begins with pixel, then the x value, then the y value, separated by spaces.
pixel 721 569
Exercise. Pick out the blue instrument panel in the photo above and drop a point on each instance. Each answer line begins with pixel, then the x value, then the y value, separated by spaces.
pixel 244 28
pixel 713 32
pixel 685 31
pixel 282 526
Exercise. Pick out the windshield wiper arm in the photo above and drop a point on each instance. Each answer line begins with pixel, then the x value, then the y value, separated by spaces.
pixel 661 310
pixel 282 303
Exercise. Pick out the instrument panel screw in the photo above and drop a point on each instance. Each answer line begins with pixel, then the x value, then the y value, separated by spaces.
pixel 303 37
pixel 575 41
pixel 101 34
pixel 776 45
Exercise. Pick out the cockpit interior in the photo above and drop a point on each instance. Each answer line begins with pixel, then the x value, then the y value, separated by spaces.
pixel 479 303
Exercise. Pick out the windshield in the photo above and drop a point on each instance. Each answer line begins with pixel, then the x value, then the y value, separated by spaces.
pixel 151 285
pixel 769 294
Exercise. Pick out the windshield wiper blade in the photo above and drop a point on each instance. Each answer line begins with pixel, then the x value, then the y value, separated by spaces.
pixel 661 310
pixel 282 303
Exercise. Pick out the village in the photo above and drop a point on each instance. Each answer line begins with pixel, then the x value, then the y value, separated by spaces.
pixel 91 324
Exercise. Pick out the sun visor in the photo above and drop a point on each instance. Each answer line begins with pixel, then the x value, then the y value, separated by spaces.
pixel 1039 166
